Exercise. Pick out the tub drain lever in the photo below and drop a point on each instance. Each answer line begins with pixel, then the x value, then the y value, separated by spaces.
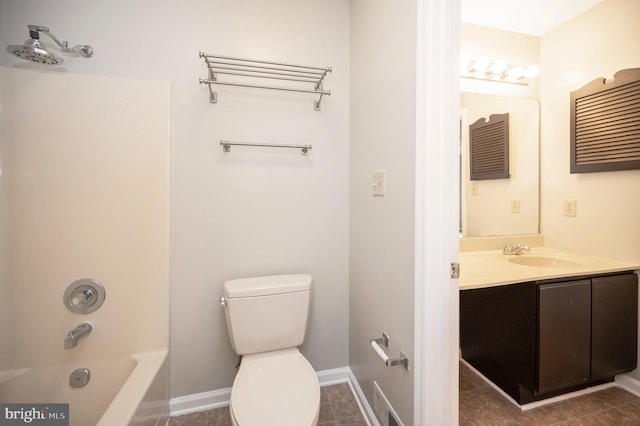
pixel 388 361
pixel 79 378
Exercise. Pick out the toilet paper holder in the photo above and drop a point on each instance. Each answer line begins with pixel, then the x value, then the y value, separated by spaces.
pixel 388 361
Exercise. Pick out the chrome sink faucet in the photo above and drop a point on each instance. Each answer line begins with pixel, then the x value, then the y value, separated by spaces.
pixel 519 249
pixel 71 340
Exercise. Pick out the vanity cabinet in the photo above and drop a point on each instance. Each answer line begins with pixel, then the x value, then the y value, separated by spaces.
pixel 543 338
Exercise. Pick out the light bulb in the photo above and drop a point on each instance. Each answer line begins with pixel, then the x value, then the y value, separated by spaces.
pixel 481 64
pixel 516 73
pixel 498 67
pixel 531 71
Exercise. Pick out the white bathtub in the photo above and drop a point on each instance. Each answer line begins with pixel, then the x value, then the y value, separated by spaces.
pixel 118 393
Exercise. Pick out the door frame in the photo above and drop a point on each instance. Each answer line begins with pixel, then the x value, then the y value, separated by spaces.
pixel 437 203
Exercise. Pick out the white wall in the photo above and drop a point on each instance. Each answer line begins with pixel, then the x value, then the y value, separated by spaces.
pixel 383 111
pixel 594 45
pixel 88 176
pixel 244 213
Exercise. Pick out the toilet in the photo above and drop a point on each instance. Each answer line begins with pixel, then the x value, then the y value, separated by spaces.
pixel 266 321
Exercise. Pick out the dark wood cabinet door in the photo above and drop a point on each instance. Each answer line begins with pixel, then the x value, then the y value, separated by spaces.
pixel 614 325
pixel 564 335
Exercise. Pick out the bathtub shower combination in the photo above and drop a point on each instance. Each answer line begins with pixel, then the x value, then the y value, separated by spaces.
pixel 75 204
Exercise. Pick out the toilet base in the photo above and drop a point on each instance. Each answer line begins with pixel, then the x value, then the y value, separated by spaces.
pixel 235 423
pixel 278 388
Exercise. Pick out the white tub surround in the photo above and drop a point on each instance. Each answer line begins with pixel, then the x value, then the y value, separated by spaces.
pixel 86 179
pixel 490 268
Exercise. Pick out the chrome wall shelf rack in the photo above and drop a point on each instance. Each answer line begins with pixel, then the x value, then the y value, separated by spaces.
pixel 251 72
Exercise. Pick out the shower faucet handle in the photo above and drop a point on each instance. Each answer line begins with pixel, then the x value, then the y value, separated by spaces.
pixel 84 296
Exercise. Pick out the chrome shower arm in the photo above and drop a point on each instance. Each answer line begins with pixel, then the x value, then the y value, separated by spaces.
pixel 36 29
pixel 81 49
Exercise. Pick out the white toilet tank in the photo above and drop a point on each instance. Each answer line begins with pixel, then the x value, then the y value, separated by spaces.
pixel 267 313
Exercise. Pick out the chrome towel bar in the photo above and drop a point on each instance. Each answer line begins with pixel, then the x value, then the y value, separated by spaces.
pixel 226 146
pixel 389 362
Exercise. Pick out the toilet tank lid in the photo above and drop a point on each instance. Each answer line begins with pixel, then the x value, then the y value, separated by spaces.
pixel 267 285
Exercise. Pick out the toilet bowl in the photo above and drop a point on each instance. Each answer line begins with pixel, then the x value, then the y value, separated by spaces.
pixel 274 389
pixel 266 319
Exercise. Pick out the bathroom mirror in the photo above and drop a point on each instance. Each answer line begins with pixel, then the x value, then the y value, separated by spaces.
pixel 502 206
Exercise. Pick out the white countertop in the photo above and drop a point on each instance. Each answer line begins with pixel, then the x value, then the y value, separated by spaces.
pixel 491 268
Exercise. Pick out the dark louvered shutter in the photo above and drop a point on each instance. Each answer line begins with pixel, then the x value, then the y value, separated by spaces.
pixel 605 124
pixel 489 147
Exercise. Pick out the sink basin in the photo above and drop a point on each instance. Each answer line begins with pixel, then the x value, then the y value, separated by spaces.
pixel 544 262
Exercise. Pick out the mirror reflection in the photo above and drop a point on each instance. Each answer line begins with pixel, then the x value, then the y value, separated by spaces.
pixel 502 206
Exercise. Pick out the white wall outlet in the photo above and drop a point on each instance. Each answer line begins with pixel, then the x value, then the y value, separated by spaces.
pixel 377 183
pixel 515 206
pixel 570 208
pixel 475 188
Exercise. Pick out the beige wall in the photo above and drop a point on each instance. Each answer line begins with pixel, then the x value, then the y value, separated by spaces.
pixel 251 211
pixel 594 45
pixel 382 136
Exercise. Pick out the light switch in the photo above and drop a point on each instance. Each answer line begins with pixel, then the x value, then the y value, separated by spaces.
pixel 515 206
pixel 377 183
pixel 570 208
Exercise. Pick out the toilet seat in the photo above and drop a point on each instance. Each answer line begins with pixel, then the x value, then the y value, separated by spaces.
pixel 275 388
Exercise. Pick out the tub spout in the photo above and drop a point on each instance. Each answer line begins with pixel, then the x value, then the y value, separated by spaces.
pixel 71 340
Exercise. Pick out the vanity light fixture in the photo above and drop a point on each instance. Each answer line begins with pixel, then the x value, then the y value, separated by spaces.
pixel 483 68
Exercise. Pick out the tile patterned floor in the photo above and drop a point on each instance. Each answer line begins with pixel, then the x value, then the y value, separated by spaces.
pixel 482 405
pixel 338 407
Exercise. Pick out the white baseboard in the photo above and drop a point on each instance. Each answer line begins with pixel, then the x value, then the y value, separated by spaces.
pixel 198 402
pixel 629 384
pixel 365 408
pixel 334 376
pixel 220 398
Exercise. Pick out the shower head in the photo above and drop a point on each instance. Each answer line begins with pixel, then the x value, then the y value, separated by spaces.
pixel 33 50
